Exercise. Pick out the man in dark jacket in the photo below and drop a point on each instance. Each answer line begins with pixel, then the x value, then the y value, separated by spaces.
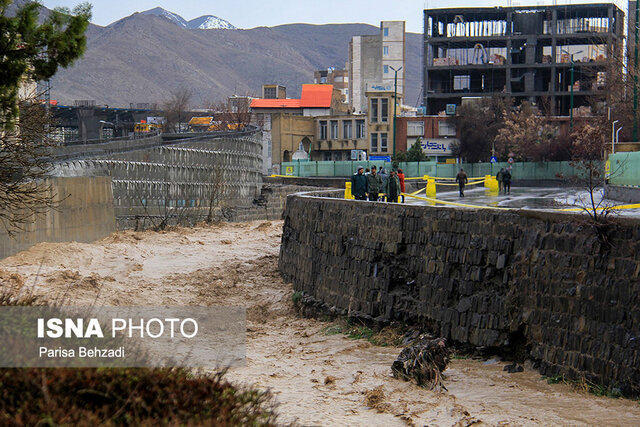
pixel 392 187
pixel 500 179
pixel 462 180
pixel 359 186
pixel 506 180
pixel 374 184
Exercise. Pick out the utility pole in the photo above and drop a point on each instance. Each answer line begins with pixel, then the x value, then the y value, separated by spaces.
pixel 395 105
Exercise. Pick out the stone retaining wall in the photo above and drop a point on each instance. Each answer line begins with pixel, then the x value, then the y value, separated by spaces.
pixel 543 282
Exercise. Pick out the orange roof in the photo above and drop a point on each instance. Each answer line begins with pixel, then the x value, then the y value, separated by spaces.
pixel 316 96
pixel 313 96
pixel 275 103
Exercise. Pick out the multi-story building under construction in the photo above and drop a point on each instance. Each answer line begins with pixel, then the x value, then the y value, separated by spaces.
pixel 533 53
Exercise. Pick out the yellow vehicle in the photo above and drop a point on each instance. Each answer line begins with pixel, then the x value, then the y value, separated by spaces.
pixel 146 127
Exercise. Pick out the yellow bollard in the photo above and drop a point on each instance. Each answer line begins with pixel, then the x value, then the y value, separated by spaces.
pixel 431 187
pixel 347 191
pixel 487 181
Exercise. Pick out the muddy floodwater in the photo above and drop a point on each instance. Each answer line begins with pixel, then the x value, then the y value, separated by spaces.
pixel 317 379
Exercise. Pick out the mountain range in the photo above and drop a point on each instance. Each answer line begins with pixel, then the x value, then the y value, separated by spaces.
pixel 147 56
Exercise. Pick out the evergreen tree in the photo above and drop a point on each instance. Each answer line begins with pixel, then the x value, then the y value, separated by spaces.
pixel 33 50
pixel 414 154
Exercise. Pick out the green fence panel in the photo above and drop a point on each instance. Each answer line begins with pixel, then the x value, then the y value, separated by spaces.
pixel 625 169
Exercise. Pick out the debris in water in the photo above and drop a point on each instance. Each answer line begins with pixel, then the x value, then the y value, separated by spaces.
pixel 374 399
pixel 424 361
pixel 513 368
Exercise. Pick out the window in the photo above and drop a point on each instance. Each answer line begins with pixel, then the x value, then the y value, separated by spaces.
pixel 360 130
pixel 415 128
pixel 334 129
pixel 385 50
pixel 384 107
pixel 383 142
pixel 269 93
pixel 323 129
pixel 461 82
pixel 323 80
pixel 347 129
pixel 374 142
pixel 386 69
pixel 374 110
pixel 326 156
pixel 446 129
pixel 385 32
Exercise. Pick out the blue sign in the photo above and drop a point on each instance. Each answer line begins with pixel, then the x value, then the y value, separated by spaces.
pixel 494 159
pixel 383 158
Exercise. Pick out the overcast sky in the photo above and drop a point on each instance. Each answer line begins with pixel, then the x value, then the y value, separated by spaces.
pixel 255 13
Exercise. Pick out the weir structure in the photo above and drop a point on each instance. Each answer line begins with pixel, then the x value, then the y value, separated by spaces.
pixel 546 286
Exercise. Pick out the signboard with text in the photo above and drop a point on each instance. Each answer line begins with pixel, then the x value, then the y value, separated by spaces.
pixel 438 146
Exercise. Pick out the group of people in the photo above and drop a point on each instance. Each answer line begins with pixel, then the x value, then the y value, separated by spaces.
pixel 374 185
pixel 504 181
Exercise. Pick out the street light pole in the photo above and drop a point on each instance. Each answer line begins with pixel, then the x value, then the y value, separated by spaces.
pixel 571 98
pixel 617 136
pixel 395 105
pixel 572 83
pixel 613 135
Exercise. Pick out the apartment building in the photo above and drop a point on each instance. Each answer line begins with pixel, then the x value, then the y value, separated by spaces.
pixel 339 79
pixel 372 61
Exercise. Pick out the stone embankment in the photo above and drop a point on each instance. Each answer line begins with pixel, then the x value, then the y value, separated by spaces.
pixel 546 286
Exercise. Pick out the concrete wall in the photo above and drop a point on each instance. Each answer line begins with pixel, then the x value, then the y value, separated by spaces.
pixel 622 193
pixel 84 214
pixel 178 181
pixel 544 284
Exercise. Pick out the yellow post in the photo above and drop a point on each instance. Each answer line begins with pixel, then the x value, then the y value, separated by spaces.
pixel 487 181
pixel 347 191
pixel 431 187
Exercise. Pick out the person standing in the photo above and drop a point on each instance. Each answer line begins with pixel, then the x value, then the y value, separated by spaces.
pixel 500 179
pixel 383 176
pixel 374 183
pixel 392 187
pixel 359 185
pixel 506 180
pixel 462 180
pixel 401 178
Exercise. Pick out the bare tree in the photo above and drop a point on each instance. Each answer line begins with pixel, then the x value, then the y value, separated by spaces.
pixel 176 109
pixel 25 161
pixel 588 158
pixel 527 135
pixel 477 124
pixel 236 117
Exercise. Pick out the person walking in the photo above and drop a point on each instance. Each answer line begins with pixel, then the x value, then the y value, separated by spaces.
pixel 374 183
pixel 500 179
pixel 506 180
pixel 359 186
pixel 392 187
pixel 462 180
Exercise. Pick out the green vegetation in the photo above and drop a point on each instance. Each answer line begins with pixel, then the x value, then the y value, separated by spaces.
pixel 388 336
pixel 414 154
pixel 585 385
pixel 128 397
pixel 296 297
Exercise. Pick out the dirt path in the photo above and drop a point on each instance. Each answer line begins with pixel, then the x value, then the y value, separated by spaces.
pixel 317 378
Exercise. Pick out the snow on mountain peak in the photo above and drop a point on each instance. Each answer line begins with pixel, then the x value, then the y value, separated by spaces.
pixel 176 19
pixel 205 22
pixel 210 22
